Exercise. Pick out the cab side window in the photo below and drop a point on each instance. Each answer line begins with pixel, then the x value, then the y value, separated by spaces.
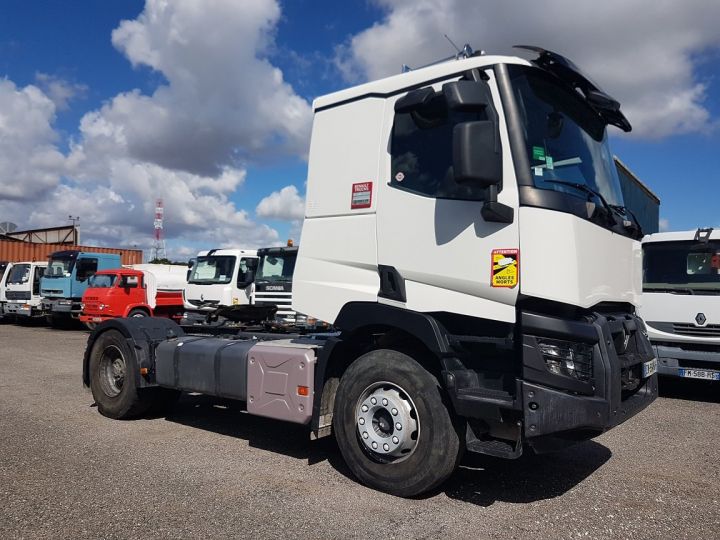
pixel 86 268
pixel 421 147
pixel 246 271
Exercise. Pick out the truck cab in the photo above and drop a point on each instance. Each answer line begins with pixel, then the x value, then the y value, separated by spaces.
pixel 22 290
pixel 274 282
pixel 681 301
pixel 66 279
pixel 148 290
pixel 219 277
pixel 5 267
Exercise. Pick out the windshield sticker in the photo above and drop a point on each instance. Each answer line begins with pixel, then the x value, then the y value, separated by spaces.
pixel 361 195
pixel 538 153
pixel 549 162
pixel 400 177
pixel 504 267
pixel 538 171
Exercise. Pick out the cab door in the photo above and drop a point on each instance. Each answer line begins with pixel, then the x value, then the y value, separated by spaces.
pixel 435 251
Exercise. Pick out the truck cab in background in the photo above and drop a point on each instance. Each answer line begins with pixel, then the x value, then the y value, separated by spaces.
pixel 5 267
pixel 66 279
pixel 142 290
pixel 274 283
pixel 22 290
pixel 681 301
pixel 219 277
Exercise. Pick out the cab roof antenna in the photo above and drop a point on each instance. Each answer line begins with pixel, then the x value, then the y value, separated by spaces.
pixel 465 52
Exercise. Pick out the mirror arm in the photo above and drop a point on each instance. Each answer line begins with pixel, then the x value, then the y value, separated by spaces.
pixel 494 211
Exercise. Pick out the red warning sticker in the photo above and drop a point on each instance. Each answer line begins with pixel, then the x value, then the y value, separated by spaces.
pixel 361 195
pixel 504 267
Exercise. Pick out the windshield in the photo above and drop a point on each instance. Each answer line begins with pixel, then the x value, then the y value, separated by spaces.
pixel 277 267
pixel 681 266
pixel 103 281
pixel 213 269
pixel 59 268
pixel 566 140
pixel 20 273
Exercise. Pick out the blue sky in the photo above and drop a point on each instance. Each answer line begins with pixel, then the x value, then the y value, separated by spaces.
pixel 104 85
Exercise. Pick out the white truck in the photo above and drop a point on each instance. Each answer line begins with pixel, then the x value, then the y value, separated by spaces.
pixel 465 233
pixel 219 277
pixel 22 290
pixel 681 301
pixel 5 268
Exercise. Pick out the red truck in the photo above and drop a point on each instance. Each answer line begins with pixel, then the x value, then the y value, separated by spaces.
pixel 143 290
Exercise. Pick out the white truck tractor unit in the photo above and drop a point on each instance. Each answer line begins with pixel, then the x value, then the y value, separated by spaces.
pixel 22 290
pixel 465 234
pixel 219 277
pixel 681 301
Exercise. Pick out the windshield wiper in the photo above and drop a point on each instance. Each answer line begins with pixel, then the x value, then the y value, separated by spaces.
pixel 672 290
pixel 611 209
pixel 587 189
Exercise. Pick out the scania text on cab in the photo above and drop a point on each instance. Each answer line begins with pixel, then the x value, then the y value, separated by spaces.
pixel 465 232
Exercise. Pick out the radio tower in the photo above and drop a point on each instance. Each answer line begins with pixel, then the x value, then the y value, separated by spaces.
pixel 158 250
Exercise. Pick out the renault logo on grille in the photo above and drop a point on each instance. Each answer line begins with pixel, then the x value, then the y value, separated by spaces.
pixel 700 319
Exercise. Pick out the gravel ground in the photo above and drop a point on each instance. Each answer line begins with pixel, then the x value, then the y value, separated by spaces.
pixel 207 470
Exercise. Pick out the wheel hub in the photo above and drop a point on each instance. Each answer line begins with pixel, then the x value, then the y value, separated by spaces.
pixel 387 421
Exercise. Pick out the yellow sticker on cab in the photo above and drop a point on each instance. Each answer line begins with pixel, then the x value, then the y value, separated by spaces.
pixel 504 267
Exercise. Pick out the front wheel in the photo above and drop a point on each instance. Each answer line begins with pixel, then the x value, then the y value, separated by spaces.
pixel 394 430
pixel 137 312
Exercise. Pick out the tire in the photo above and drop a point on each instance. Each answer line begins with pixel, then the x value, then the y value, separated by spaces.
pixel 112 382
pixel 138 312
pixel 90 325
pixel 414 396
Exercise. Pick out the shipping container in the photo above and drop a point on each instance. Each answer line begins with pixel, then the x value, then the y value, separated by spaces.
pixel 15 251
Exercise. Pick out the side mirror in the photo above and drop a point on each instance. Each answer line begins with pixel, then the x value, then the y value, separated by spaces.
pixel 476 154
pixel 249 278
pixel 191 263
pixel 414 100
pixel 130 282
pixel 467 96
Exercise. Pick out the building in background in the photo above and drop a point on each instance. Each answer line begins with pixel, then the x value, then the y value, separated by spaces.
pixel 639 199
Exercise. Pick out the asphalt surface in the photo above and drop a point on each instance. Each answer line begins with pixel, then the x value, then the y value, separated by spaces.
pixel 208 470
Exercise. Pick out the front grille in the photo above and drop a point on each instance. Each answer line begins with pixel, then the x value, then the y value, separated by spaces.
pixel 17 295
pixel 689 329
pixel 283 301
pixel 198 302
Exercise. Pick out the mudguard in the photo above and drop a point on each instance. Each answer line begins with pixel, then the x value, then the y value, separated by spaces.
pixel 142 334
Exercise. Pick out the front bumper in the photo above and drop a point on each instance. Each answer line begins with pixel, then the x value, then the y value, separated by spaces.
pixel 673 358
pixel 550 410
pixel 21 310
pixel 559 410
pixel 62 307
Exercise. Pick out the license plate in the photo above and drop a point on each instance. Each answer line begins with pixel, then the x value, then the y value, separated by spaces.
pixel 649 368
pixel 97 319
pixel 708 374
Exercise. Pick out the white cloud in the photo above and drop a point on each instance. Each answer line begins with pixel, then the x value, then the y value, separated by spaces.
pixel 286 204
pixel 643 52
pixel 222 105
pixel 664 224
pixel 60 91
pixel 30 163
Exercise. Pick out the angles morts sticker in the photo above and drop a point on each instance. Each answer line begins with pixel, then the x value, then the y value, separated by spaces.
pixel 361 195
pixel 504 267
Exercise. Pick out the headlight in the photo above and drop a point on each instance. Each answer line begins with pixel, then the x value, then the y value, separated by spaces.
pixel 101 306
pixel 567 358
